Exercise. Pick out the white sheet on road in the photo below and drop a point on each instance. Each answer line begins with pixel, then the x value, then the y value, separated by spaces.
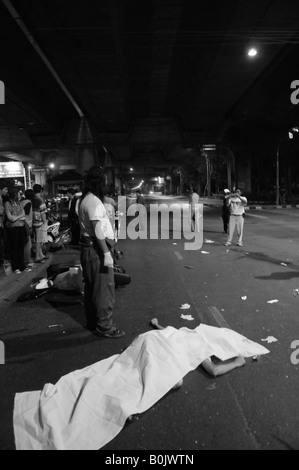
pixel 88 408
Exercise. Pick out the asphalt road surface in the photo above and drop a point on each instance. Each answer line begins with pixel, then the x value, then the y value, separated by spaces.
pixel 253 408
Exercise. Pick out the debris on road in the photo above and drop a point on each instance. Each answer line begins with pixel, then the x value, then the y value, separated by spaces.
pixel 284 264
pixel 296 292
pixel 185 307
pixel 272 301
pixel 209 241
pixel 244 297
pixel 187 317
pixel 188 267
pixel 270 339
pixel 55 326
pixel 205 253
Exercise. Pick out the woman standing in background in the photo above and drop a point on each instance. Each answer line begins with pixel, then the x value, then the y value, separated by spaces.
pixel 27 206
pixel 15 227
pixel 39 222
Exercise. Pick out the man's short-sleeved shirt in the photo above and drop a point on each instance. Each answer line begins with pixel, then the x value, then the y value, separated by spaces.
pixel 237 206
pixel 91 209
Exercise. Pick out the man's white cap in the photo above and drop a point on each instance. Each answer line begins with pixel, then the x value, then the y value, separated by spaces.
pixel 226 191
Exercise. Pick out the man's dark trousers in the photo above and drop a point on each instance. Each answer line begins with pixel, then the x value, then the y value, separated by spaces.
pixel 99 292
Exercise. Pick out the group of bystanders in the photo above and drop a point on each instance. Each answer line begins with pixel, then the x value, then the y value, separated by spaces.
pixel 22 222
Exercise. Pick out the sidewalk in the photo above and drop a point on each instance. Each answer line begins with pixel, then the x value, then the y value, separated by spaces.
pixel 12 285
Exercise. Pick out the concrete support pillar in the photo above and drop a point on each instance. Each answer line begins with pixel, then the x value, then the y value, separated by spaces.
pixel 86 157
pixel 86 151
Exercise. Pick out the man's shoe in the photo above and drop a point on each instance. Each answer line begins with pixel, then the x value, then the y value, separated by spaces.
pixel 227 244
pixel 240 244
pixel 111 334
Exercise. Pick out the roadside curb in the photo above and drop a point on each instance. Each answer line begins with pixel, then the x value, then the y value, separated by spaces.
pixel 286 206
pixel 256 207
pixel 12 285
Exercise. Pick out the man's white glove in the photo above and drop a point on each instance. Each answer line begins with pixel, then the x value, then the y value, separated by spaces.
pixel 108 260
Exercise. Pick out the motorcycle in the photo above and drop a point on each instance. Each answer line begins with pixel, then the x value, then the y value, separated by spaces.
pixel 56 239
pixel 70 278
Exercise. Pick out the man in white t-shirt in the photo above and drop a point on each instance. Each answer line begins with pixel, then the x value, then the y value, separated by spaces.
pixel 96 259
pixel 237 204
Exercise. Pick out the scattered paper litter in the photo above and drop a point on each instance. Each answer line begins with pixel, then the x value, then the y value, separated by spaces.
pixel 188 267
pixel 209 241
pixel 185 307
pixel 175 243
pixel 270 339
pixel 187 317
pixel 284 264
pixel 244 298
pixel 55 326
pixel 272 301
pixel 205 252
pixel 296 292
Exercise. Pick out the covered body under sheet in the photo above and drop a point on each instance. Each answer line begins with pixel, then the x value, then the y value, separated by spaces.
pixel 88 408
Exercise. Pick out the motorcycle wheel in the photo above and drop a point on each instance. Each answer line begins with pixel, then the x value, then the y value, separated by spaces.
pixel 31 294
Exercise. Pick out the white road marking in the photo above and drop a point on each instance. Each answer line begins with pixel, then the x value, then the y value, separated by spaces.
pixel 257 216
pixel 178 255
pixel 219 318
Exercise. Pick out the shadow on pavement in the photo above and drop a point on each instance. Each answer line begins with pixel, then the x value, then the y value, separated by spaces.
pixel 258 256
pixel 17 348
pixel 279 276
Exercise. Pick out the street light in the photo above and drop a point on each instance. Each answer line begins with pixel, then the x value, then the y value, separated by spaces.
pixel 252 52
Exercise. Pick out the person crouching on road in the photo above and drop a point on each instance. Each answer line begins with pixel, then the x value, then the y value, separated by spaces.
pixel 236 203
pixel 96 259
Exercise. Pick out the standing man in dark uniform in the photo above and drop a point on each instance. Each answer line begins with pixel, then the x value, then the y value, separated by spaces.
pixel 73 221
pixel 225 214
pixel 96 258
